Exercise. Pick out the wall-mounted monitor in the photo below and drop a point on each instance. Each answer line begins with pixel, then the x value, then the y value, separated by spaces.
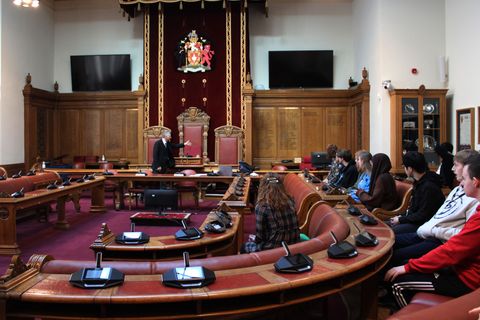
pixel 101 72
pixel 300 69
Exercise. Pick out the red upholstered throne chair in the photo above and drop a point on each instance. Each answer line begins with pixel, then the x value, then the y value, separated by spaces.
pixel 150 136
pixel 193 125
pixel 228 145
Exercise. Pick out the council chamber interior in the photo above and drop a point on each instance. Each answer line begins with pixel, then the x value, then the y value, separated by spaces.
pixel 250 90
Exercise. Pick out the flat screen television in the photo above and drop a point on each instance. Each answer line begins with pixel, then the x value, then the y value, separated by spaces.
pixel 300 69
pixel 101 72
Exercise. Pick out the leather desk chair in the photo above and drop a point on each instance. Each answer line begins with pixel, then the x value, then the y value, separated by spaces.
pixel 187 186
pixel 109 185
pixel 279 168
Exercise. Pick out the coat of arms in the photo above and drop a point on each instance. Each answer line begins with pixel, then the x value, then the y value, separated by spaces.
pixel 194 54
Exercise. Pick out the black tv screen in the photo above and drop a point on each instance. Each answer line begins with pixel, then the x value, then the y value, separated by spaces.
pixel 300 69
pixel 101 72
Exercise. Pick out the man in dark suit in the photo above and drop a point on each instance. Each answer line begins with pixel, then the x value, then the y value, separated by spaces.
pixel 163 153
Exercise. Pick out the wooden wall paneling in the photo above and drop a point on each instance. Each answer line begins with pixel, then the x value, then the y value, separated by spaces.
pixel 313 130
pixel 70 136
pixel 265 137
pixel 288 132
pixel 131 136
pixel 115 134
pixel 93 129
pixel 38 126
pixel 338 127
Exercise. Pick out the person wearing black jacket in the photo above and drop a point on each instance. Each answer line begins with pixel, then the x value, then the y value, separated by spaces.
pixel 348 174
pixel 427 195
pixel 445 169
pixel 163 153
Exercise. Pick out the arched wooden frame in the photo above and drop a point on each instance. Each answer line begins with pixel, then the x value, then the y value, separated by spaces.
pixel 191 118
pixel 150 136
pixel 225 135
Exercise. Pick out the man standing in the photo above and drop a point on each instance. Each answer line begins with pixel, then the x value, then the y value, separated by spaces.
pixel 163 153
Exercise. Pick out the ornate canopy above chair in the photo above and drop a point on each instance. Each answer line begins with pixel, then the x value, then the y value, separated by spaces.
pixel 193 125
pixel 228 145
pixel 150 136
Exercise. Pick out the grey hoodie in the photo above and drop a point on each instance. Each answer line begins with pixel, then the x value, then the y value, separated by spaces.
pixel 450 217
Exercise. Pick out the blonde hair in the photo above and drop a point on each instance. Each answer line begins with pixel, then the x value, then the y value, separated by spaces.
pixel 366 159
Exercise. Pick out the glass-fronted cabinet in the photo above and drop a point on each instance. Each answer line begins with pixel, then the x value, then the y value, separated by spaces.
pixel 417 116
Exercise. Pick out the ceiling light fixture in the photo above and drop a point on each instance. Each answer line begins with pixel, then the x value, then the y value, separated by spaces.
pixel 27 3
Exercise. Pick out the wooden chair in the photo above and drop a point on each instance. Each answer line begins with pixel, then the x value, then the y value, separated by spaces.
pixel 228 145
pixel 404 192
pixel 109 186
pixel 187 186
pixel 193 125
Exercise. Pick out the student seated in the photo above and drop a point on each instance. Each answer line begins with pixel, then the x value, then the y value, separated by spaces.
pixel 447 221
pixel 335 166
pixel 276 220
pixel 364 166
pixel 348 174
pixel 452 269
pixel 427 195
pixel 382 192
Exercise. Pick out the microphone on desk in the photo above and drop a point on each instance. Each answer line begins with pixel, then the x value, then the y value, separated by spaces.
pixel 365 238
pixel 18 194
pixel 354 211
pixel 17 175
pixel 341 249
pixel 52 185
pixel 67 182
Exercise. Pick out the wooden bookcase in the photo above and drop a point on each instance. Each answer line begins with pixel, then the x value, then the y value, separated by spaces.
pixel 419 116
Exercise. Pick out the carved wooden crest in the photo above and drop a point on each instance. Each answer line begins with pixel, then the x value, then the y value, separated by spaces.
pixel 193 114
pixel 154 131
pixel 228 131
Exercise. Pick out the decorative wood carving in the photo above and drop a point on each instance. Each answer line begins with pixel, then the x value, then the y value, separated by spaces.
pixel 224 207
pixel 19 272
pixel 15 268
pixel 105 236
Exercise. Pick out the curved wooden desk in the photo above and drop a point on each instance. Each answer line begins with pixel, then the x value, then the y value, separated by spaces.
pixel 168 248
pixel 10 206
pixel 236 293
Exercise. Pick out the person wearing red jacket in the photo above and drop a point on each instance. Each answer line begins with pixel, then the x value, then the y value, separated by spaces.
pixel 452 269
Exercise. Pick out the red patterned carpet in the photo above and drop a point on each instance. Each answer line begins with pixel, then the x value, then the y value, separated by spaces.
pixel 35 237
